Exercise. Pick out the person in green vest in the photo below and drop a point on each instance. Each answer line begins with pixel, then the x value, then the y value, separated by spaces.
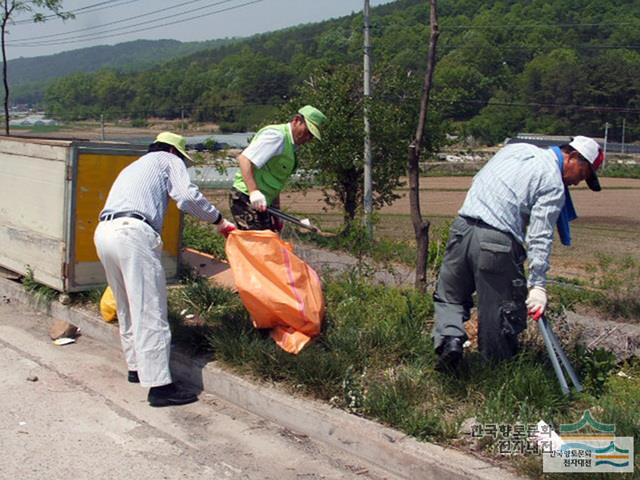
pixel 265 167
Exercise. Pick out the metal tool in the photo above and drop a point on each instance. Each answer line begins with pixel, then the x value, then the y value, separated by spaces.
pixel 558 357
pixel 290 218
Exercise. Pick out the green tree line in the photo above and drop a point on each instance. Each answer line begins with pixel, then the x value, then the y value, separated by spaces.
pixel 503 66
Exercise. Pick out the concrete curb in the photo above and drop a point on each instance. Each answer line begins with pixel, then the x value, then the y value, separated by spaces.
pixel 389 449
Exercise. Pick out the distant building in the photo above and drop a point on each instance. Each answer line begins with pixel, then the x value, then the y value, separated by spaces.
pixel 548 140
pixel 31 121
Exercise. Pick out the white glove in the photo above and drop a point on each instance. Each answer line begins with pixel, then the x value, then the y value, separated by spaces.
pixel 536 301
pixel 225 227
pixel 258 200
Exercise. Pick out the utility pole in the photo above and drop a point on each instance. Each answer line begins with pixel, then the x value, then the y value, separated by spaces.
pixel 368 195
pixel 606 135
pixel 624 121
pixel 182 119
pixel 102 126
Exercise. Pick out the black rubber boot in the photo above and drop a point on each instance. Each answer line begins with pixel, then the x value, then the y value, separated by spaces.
pixel 449 354
pixel 168 395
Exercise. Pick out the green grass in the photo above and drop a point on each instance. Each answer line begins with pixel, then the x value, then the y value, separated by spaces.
pixel 375 358
pixel 613 288
pixel 381 249
pixel 620 171
pixel 91 297
pixel 203 237
pixel 39 291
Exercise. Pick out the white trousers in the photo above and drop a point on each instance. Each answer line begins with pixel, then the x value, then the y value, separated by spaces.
pixel 131 252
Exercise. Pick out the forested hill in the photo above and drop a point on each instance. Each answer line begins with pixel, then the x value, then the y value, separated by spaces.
pixel 29 75
pixel 503 66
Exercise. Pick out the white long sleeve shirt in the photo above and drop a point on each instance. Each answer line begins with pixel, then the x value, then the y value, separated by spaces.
pixel 145 186
pixel 520 191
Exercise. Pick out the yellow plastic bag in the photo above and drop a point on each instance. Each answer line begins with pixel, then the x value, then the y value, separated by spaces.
pixel 279 290
pixel 108 306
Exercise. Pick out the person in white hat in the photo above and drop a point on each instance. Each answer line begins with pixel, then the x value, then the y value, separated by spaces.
pixel 266 165
pixel 509 215
pixel 129 246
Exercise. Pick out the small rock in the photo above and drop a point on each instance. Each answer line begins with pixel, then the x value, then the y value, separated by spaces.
pixel 61 329
pixel 467 426
pixel 64 298
pixel 32 378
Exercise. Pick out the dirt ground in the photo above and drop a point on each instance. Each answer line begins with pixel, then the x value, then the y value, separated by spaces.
pixel 608 221
pixel 442 196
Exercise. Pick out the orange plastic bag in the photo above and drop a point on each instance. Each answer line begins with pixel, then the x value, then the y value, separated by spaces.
pixel 279 290
pixel 108 308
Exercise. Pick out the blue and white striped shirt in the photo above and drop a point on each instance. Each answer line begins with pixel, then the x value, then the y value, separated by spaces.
pixel 145 186
pixel 520 190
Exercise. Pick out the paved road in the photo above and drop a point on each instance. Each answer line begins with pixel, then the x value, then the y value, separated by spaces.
pixel 81 419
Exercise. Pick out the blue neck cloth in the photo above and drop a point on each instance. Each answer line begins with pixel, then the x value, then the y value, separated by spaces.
pixel 568 213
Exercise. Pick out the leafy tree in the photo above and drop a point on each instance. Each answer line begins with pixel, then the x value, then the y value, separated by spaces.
pixel 337 161
pixel 498 120
pixel 552 80
pixel 73 97
pixel 10 8
pixel 463 89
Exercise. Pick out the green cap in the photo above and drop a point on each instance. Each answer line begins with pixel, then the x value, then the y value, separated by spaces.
pixel 314 119
pixel 174 140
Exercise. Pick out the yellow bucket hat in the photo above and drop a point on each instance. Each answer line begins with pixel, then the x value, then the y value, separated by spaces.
pixel 174 140
pixel 314 119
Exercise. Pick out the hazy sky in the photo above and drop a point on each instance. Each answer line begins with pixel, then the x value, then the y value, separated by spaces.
pixel 100 22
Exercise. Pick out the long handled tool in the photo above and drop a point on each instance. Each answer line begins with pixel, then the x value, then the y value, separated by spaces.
pixel 558 357
pixel 290 218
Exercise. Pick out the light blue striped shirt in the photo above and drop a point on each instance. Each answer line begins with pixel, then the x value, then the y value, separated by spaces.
pixel 145 186
pixel 520 191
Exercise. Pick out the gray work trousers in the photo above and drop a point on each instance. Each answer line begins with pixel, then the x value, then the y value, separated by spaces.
pixel 490 262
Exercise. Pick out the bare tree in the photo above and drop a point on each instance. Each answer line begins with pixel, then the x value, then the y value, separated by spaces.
pixel 420 227
pixel 36 9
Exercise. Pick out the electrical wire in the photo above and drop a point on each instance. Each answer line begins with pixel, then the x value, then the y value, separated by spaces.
pixel 84 38
pixel 91 37
pixel 83 10
pixel 617 109
pixel 536 25
pixel 558 106
pixel 115 22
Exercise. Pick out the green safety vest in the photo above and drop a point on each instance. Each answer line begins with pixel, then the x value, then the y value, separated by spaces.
pixel 272 177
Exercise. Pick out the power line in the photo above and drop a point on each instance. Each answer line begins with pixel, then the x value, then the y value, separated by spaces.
pixel 90 37
pixel 531 48
pixel 444 27
pixel 93 29
pixel 601 108
pixel 97 35
pixel 87 9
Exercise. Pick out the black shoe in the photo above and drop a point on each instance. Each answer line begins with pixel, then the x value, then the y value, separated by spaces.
pixel 449 353
pixel 132 376
pixel 167 395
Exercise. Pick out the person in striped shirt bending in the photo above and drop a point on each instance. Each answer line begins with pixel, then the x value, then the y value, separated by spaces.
pixel 508 216
pixel 129 246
